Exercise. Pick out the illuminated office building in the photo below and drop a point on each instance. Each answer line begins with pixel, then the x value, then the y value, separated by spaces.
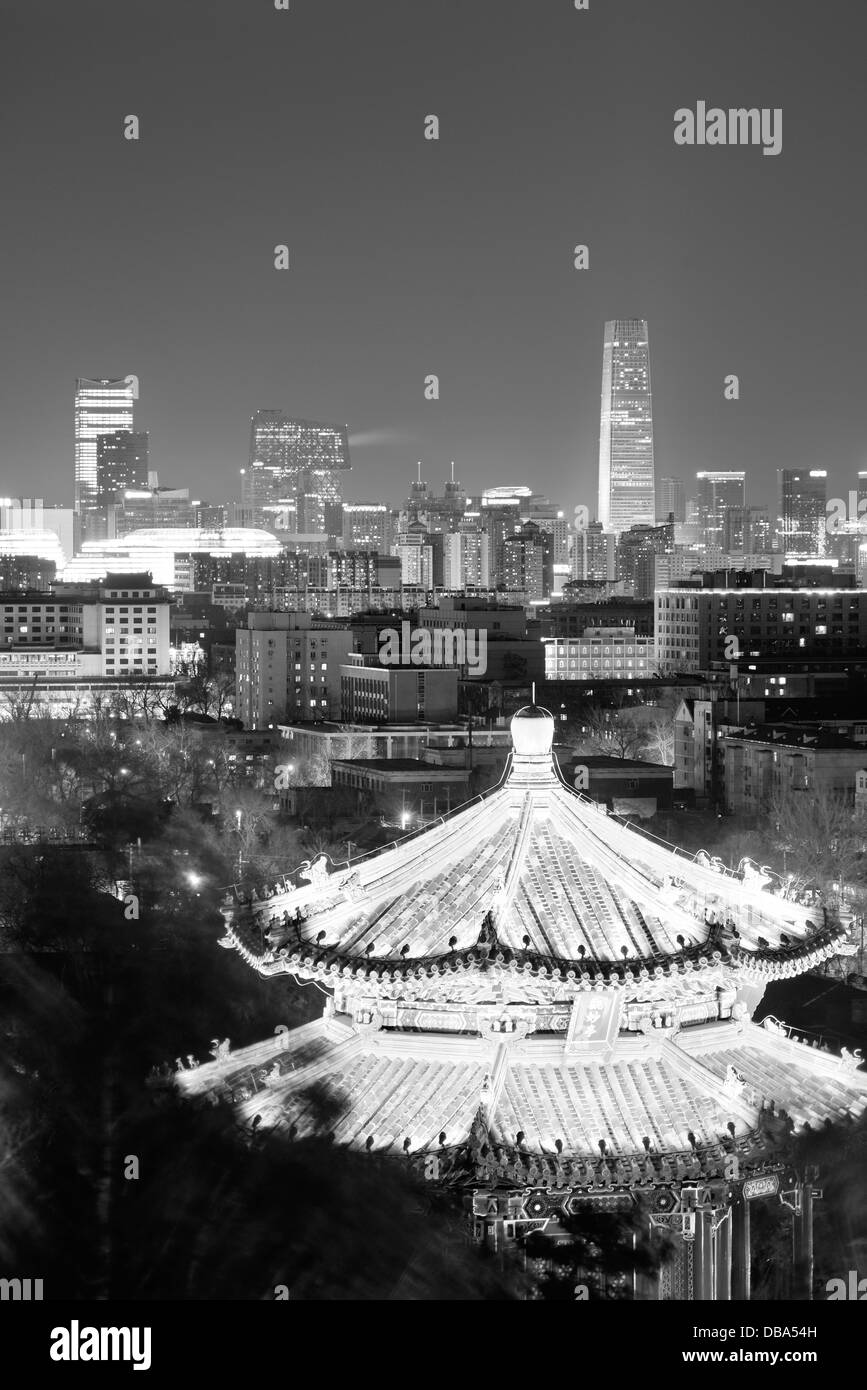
pixel 121 466
pixel 299 460
pixel 671 499
pixel 626 481
pixel 720 494
pixel 801 524
pixel 366 526
pixel 101 407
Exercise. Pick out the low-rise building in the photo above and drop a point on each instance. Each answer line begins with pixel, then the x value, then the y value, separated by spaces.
pixel 406 792
pixel 599 652
pixel 61 648
pixel 626 786
pixel 374 694
pixel 762 763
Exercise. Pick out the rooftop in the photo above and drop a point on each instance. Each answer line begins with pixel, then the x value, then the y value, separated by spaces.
pixel 532 878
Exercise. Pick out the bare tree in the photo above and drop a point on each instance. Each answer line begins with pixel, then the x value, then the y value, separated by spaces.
pixel 821 839
pixel 615 733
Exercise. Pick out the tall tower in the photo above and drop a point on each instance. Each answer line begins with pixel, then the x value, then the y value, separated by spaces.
pixel 626 486
pixel 101 407
pixel 671 498
pixel 719 493
pixel 302 460
pixel 121 465
pixel 801 518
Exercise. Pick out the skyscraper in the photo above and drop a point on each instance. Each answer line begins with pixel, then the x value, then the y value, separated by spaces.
pixel 121 465
pixel 801 523
pixel 719 492
pixel 101 407
pixel 300 460
pixel 626 484
pixel 671 498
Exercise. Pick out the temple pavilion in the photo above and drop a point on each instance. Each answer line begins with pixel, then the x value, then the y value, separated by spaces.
pixel 536 1003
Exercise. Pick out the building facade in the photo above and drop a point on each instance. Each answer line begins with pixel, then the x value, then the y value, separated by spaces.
pixel 697 627
pixel 626 479
pixel 287 666
pixel 374 694
pixel 802 515
pixel 302 461
pixel 60 648
pixel 720 497
pixel 121 467
pixel 101 407
pixel 599 652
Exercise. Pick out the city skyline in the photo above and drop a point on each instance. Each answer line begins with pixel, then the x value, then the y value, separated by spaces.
pixel 409 257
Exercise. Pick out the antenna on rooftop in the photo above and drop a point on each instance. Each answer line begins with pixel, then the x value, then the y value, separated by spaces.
pixel 453 470
pixel 419 470
pixel 533 693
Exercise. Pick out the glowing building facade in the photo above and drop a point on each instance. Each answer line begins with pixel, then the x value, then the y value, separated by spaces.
pixel 626 479
pixel 169 553
pixel 101 407
pixel 302 461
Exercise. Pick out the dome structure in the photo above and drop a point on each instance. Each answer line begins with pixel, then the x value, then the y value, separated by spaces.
pixel 532 731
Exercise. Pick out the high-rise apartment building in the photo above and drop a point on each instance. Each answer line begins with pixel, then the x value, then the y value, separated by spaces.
pixel 594 553
pixel 299 460
pixel 626 480
pixel 415 552
pixel 801 516
pixel 467 558
pixel 637 552
pixel 527 563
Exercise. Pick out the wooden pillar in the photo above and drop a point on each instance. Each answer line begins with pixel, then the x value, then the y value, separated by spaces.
pixel 704 1256
pixel 802 1245
pixel 740 1248
pixel 723 1258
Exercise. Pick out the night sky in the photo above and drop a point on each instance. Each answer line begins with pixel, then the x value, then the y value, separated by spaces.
pixel 411 257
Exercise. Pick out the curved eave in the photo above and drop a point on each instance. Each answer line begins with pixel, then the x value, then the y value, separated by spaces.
pixel 572 885
pixel 328 966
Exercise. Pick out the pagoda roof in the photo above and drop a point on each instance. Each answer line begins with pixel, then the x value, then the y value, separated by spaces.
pixel 530 877
pixel 703 1093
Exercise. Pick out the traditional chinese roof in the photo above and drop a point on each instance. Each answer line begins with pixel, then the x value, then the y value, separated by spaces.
pixel 700 1093
pixel 531 879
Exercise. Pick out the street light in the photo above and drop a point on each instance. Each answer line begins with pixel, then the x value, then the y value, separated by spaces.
pixel 193 879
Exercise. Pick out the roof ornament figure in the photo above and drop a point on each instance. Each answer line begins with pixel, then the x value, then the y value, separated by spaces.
pixel 315 871
pixel 851 1061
